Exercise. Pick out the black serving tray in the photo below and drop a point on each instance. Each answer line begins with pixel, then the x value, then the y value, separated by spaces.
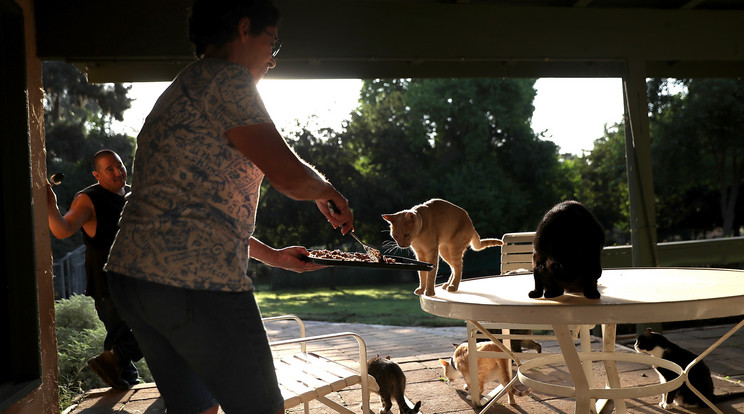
pixel 400 263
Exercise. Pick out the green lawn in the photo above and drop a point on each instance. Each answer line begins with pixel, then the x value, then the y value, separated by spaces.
pixel 384 305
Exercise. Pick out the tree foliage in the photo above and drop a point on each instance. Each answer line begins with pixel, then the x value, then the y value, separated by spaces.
pixel 467 141
pixel 599 179
pixel 283 221
pixel 698 151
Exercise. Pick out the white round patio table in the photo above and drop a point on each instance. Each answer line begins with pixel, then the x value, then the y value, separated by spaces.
pixel 629 295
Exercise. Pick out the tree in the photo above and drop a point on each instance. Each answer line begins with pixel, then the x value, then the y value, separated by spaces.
pixel 283 221
pixel 716 117
pixel 698 150
pixel 600 181
pixel 697 153
pixel 410 140
pixel 68 96
pixel 468 141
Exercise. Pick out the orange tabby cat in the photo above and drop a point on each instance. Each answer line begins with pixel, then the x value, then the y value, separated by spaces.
pixel 436 228
pixel 489 369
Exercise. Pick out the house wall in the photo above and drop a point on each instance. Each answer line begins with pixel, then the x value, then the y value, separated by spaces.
pixel 45 398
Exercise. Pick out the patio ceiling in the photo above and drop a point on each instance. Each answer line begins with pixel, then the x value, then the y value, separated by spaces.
pixel 145 40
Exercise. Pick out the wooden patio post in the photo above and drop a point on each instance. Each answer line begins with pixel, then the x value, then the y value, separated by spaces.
pixel 638 161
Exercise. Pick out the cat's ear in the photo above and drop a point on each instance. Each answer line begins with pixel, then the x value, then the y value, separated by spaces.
pixel 387 357
pixel 648 332
pixel 409 215
pixel 388 217
pixel 444 362
pixel 455 345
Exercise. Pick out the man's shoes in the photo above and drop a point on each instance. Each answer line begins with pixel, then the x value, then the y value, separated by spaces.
pixel 104 365
pixel 130 374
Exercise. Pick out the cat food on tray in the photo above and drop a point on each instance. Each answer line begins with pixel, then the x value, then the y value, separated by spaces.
pixel 356 259
pixel 348 256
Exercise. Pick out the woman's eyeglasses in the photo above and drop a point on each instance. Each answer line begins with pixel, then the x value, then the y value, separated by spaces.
pixel 276 45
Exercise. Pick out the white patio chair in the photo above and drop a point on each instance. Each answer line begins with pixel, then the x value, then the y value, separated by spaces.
pixel 305 376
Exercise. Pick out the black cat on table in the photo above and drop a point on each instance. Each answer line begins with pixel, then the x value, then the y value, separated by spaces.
pixel 567 252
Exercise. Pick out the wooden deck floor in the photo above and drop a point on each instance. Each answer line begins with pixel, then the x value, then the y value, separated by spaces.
pixel 417 351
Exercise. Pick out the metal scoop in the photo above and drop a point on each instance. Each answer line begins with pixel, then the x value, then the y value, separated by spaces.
pixel 373 253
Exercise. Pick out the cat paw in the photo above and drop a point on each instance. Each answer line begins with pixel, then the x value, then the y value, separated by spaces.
pixel 451 288
pixel 429 292
pixel 419 291
pixel 665 405
pixel 535 294
pixel 553 293
pixel 361 407
pixel 592 294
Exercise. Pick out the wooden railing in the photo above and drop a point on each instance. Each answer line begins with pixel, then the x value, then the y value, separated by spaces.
pixel 723 252
pixel 69 274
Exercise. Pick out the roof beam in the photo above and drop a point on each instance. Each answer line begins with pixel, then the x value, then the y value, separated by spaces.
pixel 379 38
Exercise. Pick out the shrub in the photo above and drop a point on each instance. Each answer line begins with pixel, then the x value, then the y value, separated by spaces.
pixel 80 336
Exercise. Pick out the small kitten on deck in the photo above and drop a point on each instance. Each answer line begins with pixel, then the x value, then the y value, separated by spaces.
pixel 489 369
pixel 392 382
pixel 567 252
pixel 436 228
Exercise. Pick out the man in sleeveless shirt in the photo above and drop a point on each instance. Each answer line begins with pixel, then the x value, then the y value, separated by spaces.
pixel 96 209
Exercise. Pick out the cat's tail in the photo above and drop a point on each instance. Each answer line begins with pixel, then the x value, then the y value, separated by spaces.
pixel 479 244
pixel 408 407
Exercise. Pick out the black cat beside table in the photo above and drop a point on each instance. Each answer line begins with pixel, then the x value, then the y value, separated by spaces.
pixel 630 295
